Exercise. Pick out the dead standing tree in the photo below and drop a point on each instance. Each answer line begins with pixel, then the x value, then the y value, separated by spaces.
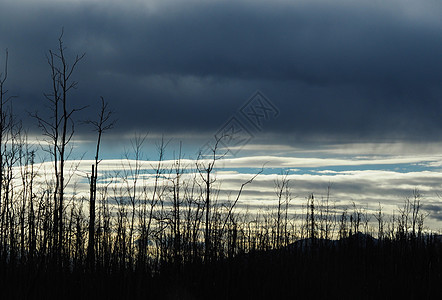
pixel 205 168
pixel 282 191
pixel 3 101
pixel 3 128
pixel 59 129
pixel 176 220
pixel 8 134
pixel 103 124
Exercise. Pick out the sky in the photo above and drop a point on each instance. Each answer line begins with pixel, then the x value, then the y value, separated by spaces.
pixel 340 92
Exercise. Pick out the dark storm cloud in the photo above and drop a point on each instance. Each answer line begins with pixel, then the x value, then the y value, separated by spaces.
pixel 434 210
pixel 341 68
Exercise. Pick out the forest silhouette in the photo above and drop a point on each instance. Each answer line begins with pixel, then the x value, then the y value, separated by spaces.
pixel 173 238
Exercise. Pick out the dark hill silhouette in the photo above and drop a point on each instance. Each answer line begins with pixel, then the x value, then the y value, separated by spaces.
pixel 358 266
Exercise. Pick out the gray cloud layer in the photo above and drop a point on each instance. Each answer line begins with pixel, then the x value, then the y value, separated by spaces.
pixel 358 70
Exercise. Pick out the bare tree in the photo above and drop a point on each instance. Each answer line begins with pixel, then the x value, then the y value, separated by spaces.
pixel 282 191
pixel 103 124
pixel 176 218
pixel 131 178
pixel 147 214
pixel 379 216
pixel 10 146
pixel 3 128
pixel 3 100
pixel 415 210
pixel 205 167
pixel 59 128
pixel 311 218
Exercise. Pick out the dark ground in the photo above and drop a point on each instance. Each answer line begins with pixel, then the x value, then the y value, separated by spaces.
pixel 346 270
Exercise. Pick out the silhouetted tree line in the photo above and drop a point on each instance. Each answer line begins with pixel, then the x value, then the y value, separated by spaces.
pixel 174 237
